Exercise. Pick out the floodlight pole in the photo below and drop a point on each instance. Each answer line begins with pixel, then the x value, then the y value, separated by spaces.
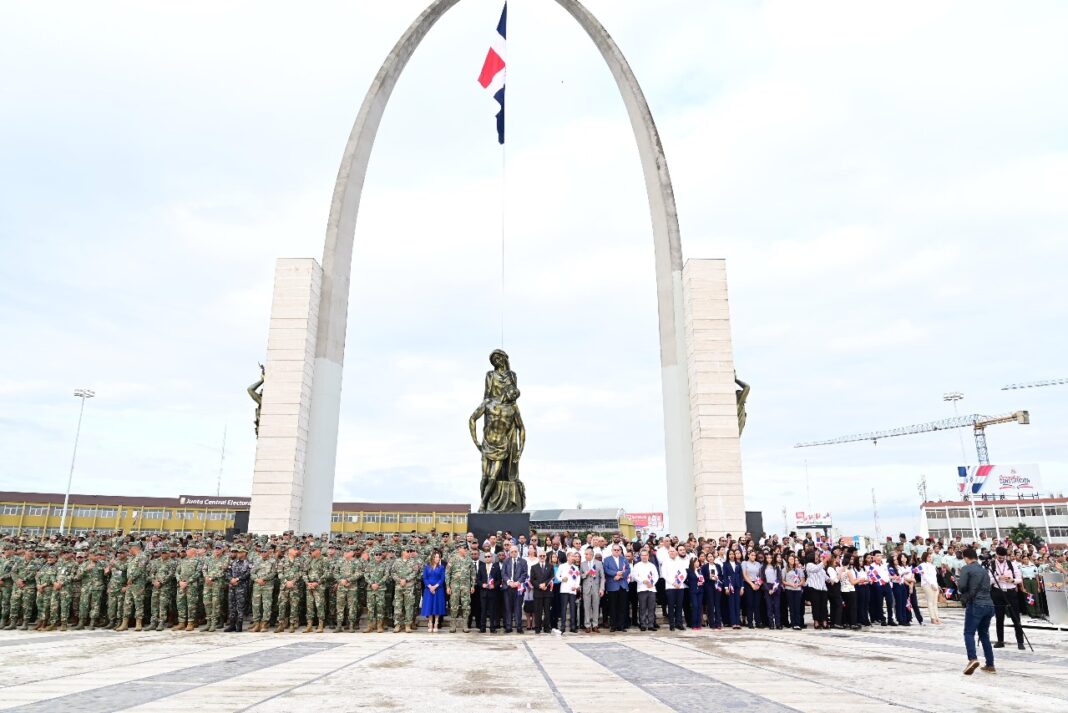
pixel 82 394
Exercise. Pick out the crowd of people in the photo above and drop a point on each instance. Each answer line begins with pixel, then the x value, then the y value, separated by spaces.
pixel 563 582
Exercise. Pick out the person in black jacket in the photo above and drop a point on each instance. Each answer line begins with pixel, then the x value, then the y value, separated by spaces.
pixel 973 585
pixel 541 579
pixel 238 576
pixel 488 584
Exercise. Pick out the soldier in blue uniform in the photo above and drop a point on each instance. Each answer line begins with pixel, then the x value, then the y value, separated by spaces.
pixel 238 576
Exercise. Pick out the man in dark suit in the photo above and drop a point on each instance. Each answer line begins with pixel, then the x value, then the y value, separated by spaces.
pixel 541 579
pixel 617 576
pixel 515 576
pixel 487 583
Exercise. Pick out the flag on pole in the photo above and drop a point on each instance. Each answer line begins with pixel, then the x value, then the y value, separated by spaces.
pixel 493 70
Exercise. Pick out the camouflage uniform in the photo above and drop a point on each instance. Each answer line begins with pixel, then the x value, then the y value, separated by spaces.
pixel 377 573
pixel 363 563
pixel 289 570
pixel 389 559
pixel 347 573
pixel 214 590
pixel 330 586
pixel 315 572
pixel 404 577
pixel 188 570
pixel 66 573
pixel 162 582
pixel 459 582
pixel 46 577
pixel 265 568
pixel 7 566
pixel 92 576
pixel 116 581
pixel 25 569
pixel 134 601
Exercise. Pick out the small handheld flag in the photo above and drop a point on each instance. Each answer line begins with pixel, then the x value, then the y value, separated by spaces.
pixel 1030 600
pixel 493 70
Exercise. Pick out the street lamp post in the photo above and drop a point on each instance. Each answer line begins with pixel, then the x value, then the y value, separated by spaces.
pixel 953 397
pixel 82 394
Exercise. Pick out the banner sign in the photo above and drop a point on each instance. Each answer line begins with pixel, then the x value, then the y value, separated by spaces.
pixel 213 501
pixel 647 520
pixel 994 479
pixel 812 519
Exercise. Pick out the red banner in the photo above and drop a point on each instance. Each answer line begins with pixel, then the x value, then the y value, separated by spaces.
pixel 647 520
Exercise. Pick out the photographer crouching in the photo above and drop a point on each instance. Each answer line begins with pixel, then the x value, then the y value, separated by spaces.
pixel 973 586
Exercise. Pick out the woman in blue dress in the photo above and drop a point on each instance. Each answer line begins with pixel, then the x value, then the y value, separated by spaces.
pixel 433 591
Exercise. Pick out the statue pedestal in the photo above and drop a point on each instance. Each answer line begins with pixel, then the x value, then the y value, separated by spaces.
pixel 484 524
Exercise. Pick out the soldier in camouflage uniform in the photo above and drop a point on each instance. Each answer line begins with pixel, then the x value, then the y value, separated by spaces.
pixel 162 582
pixel 59 609
pixel 460 585
pixel 376 576
pixel 214 572
pixel 7 582
pixel 404 578
pixel 363 563
pixel 23 576
pixel 315 575
pixel 91 573
pixel 332 558
pixel 187 573
pixel 46 577
pixel 264 574
pixel 76 585
pixel 134 600
pixel 116 571
pixel 290 569
pixel 346 574
pixel 389 558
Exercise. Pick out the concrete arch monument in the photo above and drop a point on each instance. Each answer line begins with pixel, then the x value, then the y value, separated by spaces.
pixel 296 453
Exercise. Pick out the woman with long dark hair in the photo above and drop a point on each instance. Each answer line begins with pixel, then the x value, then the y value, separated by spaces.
pixel 732 590
pixel 834 591
pixel 753 583
pixel 695 590
pixel 772 576
pixel 793 578
pixel 816 578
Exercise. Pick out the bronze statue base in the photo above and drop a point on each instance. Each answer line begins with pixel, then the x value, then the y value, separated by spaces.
pixel 484 524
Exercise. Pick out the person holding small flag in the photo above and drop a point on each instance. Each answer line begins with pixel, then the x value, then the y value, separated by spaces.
pixel 592 575
pixel 645 575
pixel 673 570
pixel 570 588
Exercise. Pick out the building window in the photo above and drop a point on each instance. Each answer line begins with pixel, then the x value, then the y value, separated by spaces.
pixel 445 519
pixel 1057 509
pixel 936 514
pixel 337 517
pixel 155 514
pixel 220 515
pixel 1031 511
pixel 1059 532
pixel 57 510
pixel 8 509
pixel 80 531
pixel 389 517
pixel 408 518
pixel 961 513
pixel 84 512
pixel 52 531
pixel 107 512
pixel 352 517
pixel 1003 513
pixel 31 531
pixel 426 519
pixel 36 511
pixel 372 517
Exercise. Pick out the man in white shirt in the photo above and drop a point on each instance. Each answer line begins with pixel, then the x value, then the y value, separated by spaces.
pixel 1005 578
pixel 644 573
pixel 883 590
pixel 570 590
pixel 673 570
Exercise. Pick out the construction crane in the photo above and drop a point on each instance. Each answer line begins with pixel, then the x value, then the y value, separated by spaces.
pixel 976 422
pixel 1034 384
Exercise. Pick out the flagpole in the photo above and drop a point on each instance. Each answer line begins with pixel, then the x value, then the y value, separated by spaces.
pixel 504 197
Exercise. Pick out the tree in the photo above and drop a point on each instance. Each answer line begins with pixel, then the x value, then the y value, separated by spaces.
pixel 1021 531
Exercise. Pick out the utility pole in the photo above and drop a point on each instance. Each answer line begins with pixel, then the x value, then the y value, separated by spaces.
pixel 222 458
pixel 82 394
pixel 875 515
pixel 921 487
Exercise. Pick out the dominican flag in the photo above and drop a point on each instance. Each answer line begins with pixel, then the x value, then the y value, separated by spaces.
pixel 493 70
pixel 972 478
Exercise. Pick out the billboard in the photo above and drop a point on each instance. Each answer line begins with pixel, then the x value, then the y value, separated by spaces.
pixel 998 479
pixel 647 520
pixel 810 520
pixel 213 501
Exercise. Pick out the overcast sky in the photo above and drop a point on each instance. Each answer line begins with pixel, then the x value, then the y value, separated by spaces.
pixel 888 184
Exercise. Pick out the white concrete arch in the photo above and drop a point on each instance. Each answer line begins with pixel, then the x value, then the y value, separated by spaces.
pixel 321 453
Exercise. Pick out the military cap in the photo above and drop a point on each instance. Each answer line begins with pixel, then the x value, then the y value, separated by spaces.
pixel 219 546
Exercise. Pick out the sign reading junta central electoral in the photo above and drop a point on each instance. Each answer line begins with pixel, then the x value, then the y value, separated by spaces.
pixel 213 501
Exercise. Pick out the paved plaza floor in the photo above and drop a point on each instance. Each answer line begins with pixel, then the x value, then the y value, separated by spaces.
pixel 880 669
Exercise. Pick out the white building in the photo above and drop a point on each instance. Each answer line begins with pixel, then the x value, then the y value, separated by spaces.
pixel 994 516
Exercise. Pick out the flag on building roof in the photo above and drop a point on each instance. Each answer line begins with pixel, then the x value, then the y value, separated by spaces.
pixel 493 70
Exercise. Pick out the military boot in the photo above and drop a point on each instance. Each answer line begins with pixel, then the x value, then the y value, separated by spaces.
pixel 80 625
pixel 50 627
pixel 380 628
pixel 25 625
pixel 138 626
pixel 63 626
pixel 159 626
pixel 123 625
pixel 190 627
pixel 407 628
pixel 397 629
pixel 211 626
pixel 282 624
pixel 370 627
pixel 452 629
pixel 39 624
pixel 309 628
pixel 322 625
pixel 10 626
pixel 294 624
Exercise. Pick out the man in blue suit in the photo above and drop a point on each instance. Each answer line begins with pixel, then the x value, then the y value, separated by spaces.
pixel 515 575
pixel 617 578
pixel 487 583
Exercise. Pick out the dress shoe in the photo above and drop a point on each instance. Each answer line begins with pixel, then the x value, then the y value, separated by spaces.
pixel 999 645
pixel 988 669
